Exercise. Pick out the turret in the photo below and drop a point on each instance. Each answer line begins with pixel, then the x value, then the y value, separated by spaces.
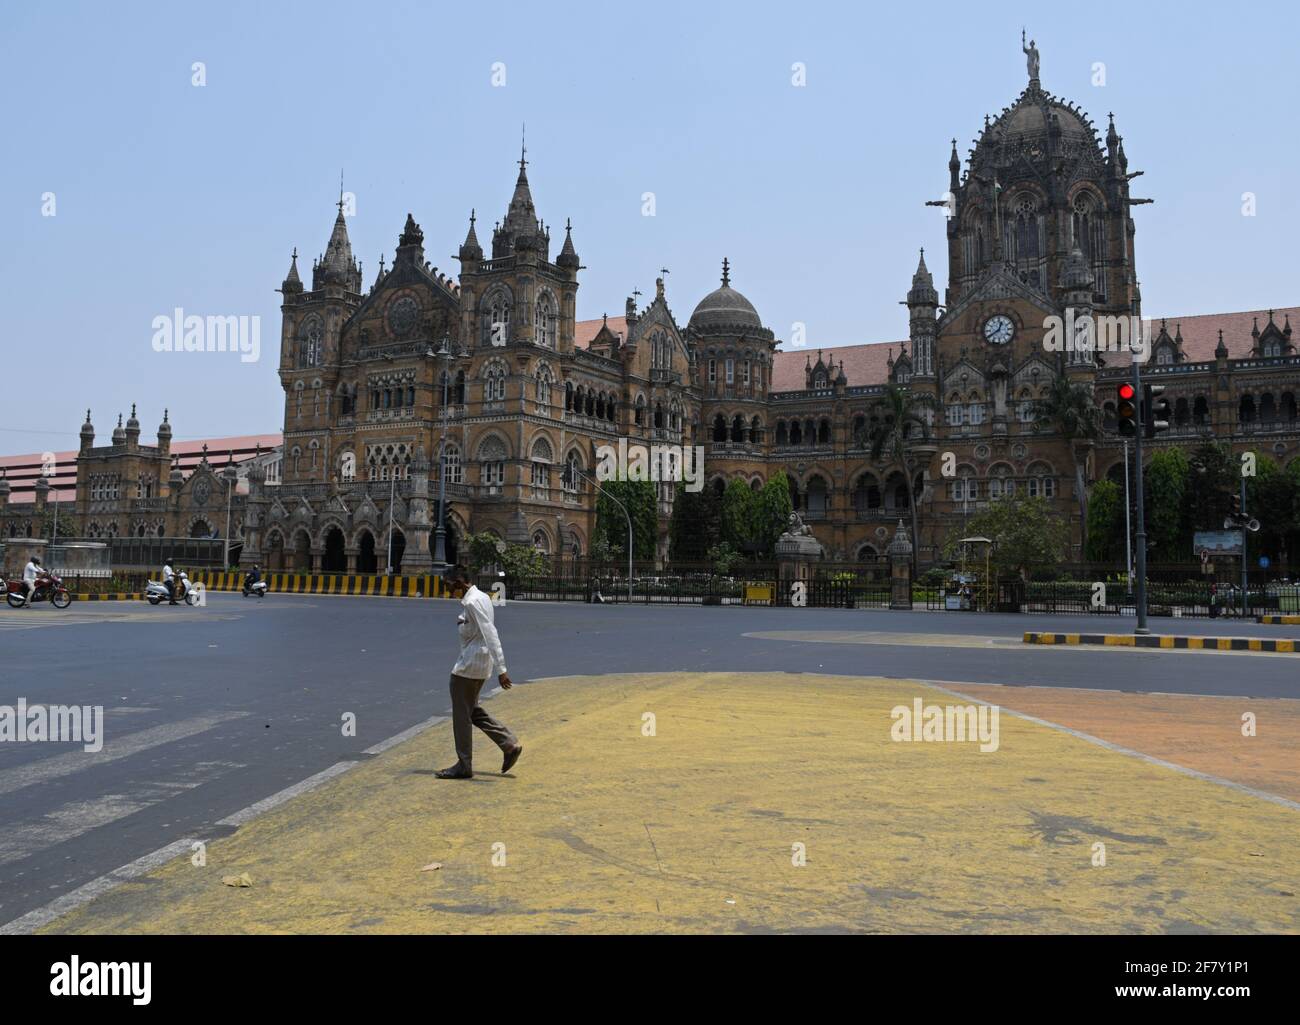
pixel 87 434
pixel 132 430
pixel 164 435
pixel 470 250
pixel 922 306
pixel 119 432
pixel 292 284
pixel 568 258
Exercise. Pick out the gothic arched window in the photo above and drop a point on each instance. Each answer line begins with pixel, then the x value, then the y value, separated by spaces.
pixel 545 320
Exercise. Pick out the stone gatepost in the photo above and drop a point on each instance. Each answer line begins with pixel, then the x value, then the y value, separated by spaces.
pixel 19 550
pixel 900 569
pixel 796 552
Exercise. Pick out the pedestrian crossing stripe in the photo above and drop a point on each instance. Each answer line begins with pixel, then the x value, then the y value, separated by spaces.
pixel 1265 644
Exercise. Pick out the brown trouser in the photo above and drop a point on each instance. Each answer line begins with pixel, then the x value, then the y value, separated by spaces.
pixel 467 712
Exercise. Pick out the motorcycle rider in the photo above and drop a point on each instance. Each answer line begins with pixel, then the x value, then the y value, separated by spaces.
pixel 169 581
pixel 252 577
pixel 31 573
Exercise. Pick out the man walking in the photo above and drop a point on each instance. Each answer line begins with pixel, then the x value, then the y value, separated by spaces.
pixel 480 647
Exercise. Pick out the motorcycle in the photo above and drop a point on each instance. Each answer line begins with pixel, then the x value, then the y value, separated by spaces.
pixel 255 590
pixel 156 592
pixel 48 588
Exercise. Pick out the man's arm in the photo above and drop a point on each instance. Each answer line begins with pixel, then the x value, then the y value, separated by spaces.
pixel 488 631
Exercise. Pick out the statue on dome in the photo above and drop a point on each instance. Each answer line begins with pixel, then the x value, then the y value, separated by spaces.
pixel 1032 53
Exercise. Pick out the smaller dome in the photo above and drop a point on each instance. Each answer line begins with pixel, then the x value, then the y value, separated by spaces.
pixel 725 307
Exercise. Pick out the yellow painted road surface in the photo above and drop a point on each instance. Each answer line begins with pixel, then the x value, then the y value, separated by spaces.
pixel 601 828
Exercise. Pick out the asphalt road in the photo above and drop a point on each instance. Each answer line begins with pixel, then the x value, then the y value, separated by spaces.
pixel 210 710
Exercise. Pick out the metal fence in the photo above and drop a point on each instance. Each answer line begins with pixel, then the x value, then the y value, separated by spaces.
pixel 1173 591
pixel 829 585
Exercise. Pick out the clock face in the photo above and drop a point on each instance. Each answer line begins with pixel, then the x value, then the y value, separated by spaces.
pixel 999 329
pixel 402 315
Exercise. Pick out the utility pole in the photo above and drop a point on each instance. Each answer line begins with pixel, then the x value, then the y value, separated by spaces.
pixel 1128 522
pixel 1141 538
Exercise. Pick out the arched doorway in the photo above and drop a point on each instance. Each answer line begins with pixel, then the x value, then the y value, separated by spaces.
pixel 366 560
pixel 200 528
pixel 335 559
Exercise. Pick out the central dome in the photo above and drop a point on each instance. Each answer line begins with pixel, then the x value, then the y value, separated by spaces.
pixel 725 307
pixel 1036 124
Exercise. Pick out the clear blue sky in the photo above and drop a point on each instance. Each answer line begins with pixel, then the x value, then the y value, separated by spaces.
pixel 170 195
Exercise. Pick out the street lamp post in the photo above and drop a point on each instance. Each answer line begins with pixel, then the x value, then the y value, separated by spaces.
pixel 230 476
pixel 440 532
pixel 629 527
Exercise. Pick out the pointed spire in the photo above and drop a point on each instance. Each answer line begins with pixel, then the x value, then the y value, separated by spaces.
pixel 726 273
pixel 568 255
pixel 337 266
pixel 1220 350
pixel 922 292
pixel 292 277
pixel 470 250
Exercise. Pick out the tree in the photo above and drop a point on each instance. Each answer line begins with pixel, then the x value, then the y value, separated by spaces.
pixel 772 517
pixel 1070 409
pixel 695 526
pixel 486 550
pixel 894 437
pixel 1026 534
pixel 1215 477
pixel 1166 485
pixel 739 508
pixel 1106 539
pixel 641 500
pixel 1273 498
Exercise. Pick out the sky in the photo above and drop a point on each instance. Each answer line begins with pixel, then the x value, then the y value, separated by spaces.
pixel 129 191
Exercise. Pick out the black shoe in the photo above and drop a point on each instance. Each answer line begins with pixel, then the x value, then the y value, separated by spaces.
pixel 457 771
pixel 512 757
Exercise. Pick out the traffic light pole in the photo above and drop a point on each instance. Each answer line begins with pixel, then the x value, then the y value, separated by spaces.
pixel 1245 566
pixel 1140 540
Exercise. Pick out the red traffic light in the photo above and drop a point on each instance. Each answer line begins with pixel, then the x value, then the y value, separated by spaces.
pixel 1126 391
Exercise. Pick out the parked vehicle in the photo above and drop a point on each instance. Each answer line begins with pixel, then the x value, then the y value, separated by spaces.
pixel 156 592
pixel 48 588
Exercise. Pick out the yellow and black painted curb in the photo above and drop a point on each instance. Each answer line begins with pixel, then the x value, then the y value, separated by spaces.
pixel 1289 647
pixel 423 586
pixel 109 596
pixel 1279 620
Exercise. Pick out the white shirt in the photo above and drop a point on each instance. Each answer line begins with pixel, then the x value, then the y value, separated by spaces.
pixel 167 573
pixel 479 644
pixel 30 572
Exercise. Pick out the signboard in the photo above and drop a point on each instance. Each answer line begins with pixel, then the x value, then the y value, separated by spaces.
pixel 1217 542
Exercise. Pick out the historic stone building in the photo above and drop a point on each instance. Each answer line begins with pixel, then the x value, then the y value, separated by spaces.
pixel 1040 224
pixel 126 489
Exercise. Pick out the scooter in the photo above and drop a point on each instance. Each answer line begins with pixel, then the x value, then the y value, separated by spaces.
pixel 156 592
pixel 257 590
pixel 47 587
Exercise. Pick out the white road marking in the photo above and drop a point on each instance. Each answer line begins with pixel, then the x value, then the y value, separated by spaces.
pixel 71 820
pixel 407 734
pixel 69 902
pixel 1263 795
pixel 133 743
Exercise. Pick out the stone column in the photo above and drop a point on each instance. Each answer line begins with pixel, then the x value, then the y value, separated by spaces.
pixel 900 569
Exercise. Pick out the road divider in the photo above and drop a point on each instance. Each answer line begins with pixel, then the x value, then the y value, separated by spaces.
pixel 1279 620
pixel 1285 647
pixel 421 586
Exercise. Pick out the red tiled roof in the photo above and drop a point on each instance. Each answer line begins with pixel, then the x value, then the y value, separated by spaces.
pixel 585 330
pixel 22 471
pixel 1201 333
